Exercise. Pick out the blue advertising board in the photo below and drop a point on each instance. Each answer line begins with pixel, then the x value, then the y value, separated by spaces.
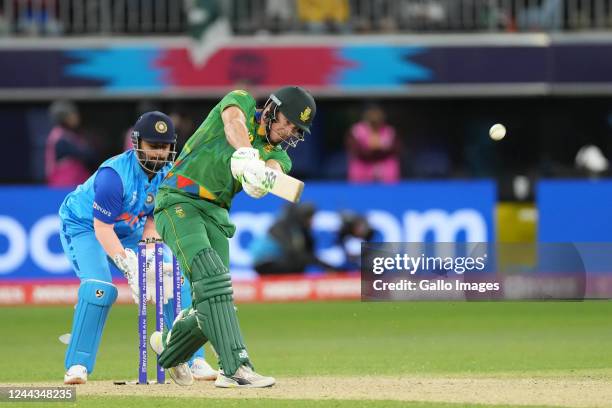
pixel 416 211
pixel 574 210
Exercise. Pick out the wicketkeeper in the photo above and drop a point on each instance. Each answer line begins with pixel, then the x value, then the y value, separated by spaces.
pixel 226 154
pixel 103 220
pixel 101 224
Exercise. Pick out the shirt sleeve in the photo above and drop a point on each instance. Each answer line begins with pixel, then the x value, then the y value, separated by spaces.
pixel 241 99
pixel 108 198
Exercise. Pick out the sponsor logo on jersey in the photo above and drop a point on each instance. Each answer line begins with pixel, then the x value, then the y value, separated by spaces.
pixel 134 197
pixel 102 210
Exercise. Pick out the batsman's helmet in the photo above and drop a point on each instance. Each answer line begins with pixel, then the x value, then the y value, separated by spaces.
pixel 298 106
pixel 153 127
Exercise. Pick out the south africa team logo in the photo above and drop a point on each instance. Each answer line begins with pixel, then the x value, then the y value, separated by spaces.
pixel 161 126
pixel 305 115
pixel 179 211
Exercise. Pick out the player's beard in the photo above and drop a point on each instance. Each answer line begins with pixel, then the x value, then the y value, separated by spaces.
pixel 153 164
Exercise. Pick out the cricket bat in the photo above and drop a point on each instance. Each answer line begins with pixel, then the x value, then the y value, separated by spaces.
pixel 282 185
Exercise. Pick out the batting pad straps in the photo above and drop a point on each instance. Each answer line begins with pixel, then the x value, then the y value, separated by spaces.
pixel 216 286
pixel 212 293
pixel 208 267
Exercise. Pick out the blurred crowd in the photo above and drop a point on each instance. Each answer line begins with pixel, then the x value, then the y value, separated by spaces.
pixel 371 141
pixel 168 17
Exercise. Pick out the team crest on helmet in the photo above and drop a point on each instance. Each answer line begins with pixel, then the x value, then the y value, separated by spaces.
pixel 161 126
pixel 99 293
pixel 179 211
pixel 305 115
pixel 268 148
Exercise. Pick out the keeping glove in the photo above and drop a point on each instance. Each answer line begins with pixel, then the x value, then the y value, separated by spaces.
pixel 168 280
pixel 128 265
pixel 240 159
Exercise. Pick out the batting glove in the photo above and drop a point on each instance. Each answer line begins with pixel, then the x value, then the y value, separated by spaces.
pixel 253 178
pixel 240 159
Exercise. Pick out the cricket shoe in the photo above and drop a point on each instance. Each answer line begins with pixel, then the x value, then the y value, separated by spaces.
pixel 180 374
pixel 202 371
pixel 76 374
pixel 244 377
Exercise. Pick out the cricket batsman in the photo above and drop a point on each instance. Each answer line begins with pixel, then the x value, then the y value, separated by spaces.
pixel 226 154
pixel 101 224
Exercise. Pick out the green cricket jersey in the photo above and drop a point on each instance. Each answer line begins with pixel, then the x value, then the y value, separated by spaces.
pixel 202 170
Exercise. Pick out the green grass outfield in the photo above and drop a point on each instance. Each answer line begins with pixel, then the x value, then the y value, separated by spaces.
pixel 349 339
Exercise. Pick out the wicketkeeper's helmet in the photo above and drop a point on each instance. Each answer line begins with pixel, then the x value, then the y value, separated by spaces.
pixel 154 127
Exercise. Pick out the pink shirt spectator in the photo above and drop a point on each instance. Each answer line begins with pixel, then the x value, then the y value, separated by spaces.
pixel 68 170
pixel 373 150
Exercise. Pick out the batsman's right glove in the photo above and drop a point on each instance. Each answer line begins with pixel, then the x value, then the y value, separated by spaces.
pixel 253 179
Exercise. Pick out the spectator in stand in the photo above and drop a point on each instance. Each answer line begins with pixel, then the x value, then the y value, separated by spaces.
pixel 37 17
pixel 324 16
pixel 279 15
pixel 591 162
pixel 69 159
pixel 373 149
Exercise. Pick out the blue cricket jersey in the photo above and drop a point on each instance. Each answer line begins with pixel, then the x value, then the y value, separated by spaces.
pixel 118 193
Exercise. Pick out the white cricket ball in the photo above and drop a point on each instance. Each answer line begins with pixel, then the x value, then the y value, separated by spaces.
pixel 497 131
